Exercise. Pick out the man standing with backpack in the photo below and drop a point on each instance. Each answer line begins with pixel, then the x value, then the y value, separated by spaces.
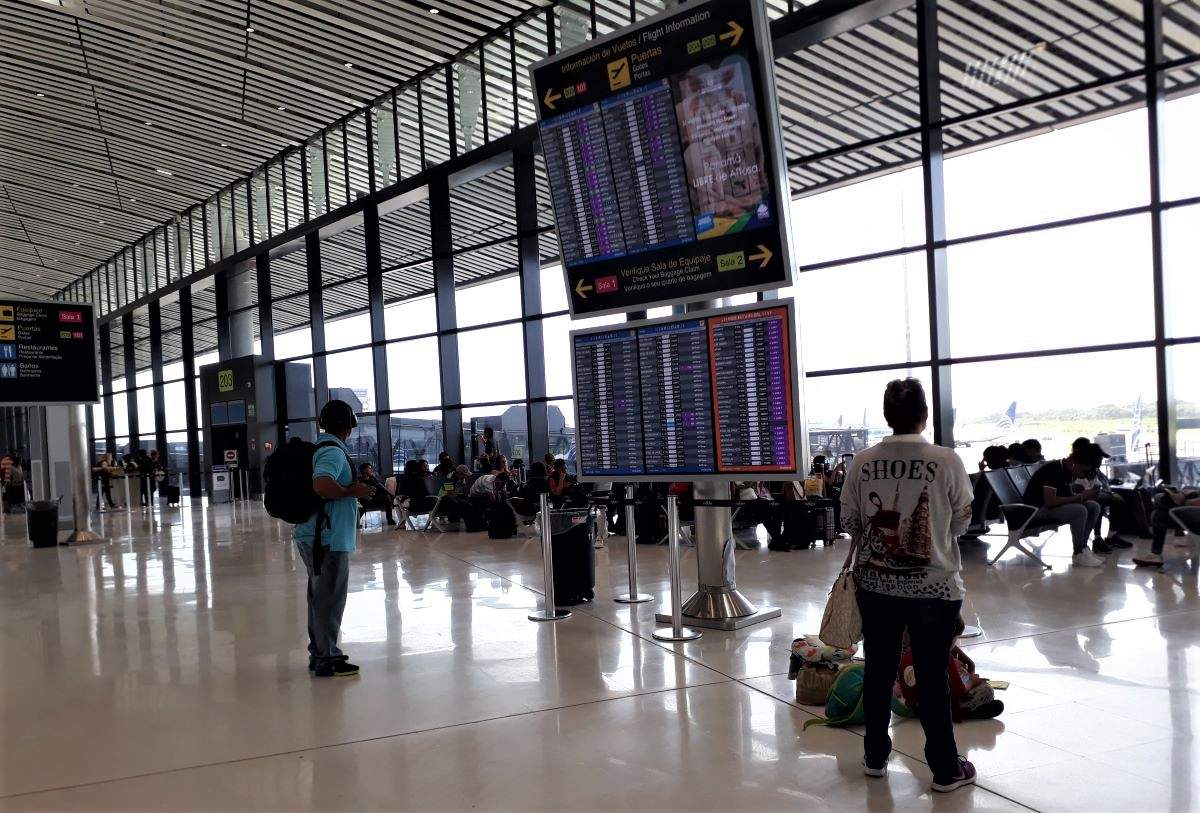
pixel 327 539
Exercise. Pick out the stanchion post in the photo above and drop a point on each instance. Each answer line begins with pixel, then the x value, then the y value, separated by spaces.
pixel 633 596
pixel 678 631
pixel 128 501
pixel 548 612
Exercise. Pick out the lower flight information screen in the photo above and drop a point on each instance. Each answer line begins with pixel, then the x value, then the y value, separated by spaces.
pixel 703 394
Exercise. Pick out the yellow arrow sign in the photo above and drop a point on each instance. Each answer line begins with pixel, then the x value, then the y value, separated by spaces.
pixel 551 97
pixel 734 34
pixel 581 289
pixel 764 256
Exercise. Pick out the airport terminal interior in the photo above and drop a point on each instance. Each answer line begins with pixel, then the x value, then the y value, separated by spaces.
pixel 611 291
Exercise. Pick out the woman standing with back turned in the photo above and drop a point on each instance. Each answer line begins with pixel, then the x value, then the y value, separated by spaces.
pixel 905 502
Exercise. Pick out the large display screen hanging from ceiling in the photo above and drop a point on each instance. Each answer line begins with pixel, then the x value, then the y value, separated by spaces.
pixel 702 394
pixel 664 159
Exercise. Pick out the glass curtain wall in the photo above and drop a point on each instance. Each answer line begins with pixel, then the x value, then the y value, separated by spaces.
pixel 978 202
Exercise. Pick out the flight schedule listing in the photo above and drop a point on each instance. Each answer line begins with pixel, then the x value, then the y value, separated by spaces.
pixel 750 364
pixel 648 168
pixel 676 398
pixel 581 185
pixel 609 403
pixel 688 396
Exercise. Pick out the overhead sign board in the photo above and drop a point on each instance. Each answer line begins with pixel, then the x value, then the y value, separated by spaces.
pixel 703 395
pixel 665 162
pixel 47 353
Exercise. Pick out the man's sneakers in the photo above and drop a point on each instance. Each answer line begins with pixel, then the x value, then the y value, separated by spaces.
pixel 871 770
pixel 1100 547
pixel 1085 558
pixel 335 669
pixel 1148 560
pixel 965 776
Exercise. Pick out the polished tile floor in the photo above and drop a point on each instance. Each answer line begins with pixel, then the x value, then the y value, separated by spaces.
pixel 165 670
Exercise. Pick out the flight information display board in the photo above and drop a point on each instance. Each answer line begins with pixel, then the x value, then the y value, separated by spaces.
pixel 705 394
pixel 47 353
pixel 665 161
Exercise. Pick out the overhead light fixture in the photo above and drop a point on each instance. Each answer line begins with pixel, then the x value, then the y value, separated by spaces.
pixel 433 10
pixel 281 107
pixel 101 222
pixel 223 144
pixel 133 200
pixel 348 64
pixel 249 29
pixel 164 172
pixel 40 95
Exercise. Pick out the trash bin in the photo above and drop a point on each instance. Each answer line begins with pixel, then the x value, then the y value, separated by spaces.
pixel 42 520
pixel 572 534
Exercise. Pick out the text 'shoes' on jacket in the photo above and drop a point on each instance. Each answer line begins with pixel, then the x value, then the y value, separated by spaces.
pixel 907 501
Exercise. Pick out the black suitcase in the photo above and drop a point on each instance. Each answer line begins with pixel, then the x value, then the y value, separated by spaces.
pixel 501 522
pixel 170 493
pixel 799 526
pixel 572 539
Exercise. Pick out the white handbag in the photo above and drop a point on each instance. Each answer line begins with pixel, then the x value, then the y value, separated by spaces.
pixel 841 624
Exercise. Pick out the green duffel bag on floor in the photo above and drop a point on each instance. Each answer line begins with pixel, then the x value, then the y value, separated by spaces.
pixel 844 706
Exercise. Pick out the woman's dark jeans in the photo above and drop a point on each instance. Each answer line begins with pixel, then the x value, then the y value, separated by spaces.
pixel 930 624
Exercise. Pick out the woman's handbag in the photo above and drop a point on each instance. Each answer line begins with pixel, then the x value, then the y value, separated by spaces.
pixel 841 624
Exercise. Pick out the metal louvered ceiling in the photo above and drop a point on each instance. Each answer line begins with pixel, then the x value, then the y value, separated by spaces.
pixel 114 113
pixel 188 67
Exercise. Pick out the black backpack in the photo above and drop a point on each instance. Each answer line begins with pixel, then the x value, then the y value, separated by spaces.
pixel 287 481
pixel 501 523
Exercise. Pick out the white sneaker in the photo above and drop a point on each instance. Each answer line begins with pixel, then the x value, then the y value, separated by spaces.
pixel 1086 559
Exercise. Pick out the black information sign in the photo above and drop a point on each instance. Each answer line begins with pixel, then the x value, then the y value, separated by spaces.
pixel 47 353
pixel 710 394
pixel 665 161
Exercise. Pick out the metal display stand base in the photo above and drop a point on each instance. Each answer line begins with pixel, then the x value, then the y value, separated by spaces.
pixel 640 598
pixel 971 631
pixel 722 608
pixel 83 538
pixel 726 624
pixel 542 615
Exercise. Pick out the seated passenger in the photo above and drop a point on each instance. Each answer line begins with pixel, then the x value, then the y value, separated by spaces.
pixel 758 509
pixel 380 499
pixel 971 696
pixel 994 458
pixel 483 487
pixel 415 485
pixel 1051 492
pixel 1033 450
pixel 1161 522
pixel 1108 499
pixel 558 482
pixel 1016 455
pixel 528 500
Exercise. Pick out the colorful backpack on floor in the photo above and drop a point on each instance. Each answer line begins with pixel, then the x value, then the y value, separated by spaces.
pixel 844 706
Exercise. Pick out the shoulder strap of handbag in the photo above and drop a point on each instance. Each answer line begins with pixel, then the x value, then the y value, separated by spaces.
pixel 851 555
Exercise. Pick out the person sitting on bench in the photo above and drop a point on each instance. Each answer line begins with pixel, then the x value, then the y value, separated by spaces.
pixel 1050 490
pixel 380 499
pixel 1161 522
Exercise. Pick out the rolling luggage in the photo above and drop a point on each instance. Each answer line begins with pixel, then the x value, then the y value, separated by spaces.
pixel 170 493
pixel 501 522
pixel 572 536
